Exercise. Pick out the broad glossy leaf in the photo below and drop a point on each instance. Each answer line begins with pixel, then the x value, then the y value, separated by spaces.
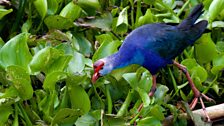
pixel 79 98
pixel 199 72
pixel 218 64
pixel 71 11
pixel 85 46
pixel 1 43
pixel 5 111
pixel 220 46
pixel 149 121
pixel 189 63
pixel 58 22
pixel 157 111
pixel 215 8
pixel 131 79
pixel 4 12
pixel 122 21
pixel 52 78
pixel 26 26
pixel 160 93
pixel 20 80
pixel 41 6
pixel 106 49
pixel 77 63
pixel 110 120
pixel 59 64
pixel 90 6
pixel 52 7
pixel 103 22
pixel 65 116
pixel 147 18
pixel 16 52
pixel 87 120
pixel 44 59
pixel 205 49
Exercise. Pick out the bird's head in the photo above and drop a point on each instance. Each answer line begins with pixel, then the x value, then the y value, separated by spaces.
pixel 98 65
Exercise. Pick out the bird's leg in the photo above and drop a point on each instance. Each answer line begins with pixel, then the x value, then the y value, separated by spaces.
pixel 197 94
pixel 152 91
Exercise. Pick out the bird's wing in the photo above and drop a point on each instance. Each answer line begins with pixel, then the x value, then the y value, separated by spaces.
pixel 165 40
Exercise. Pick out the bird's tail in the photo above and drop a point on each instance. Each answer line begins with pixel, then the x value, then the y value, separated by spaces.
pixel 190 20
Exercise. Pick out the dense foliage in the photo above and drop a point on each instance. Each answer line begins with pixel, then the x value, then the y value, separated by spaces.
pixel 47 48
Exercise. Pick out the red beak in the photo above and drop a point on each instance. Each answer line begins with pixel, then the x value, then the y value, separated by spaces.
pixel 95 77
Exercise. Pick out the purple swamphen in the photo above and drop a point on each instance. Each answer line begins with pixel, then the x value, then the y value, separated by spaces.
pixel 153 46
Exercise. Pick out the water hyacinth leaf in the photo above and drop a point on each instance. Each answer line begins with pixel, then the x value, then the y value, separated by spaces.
pixel 21 81
pixel 110 120
pixel 58 22
pixel 218 64
pixel 200 72
pixel 5 111
pixel 87 120
pixel 215 8
pixel 90 6
pixel 65 116
pixel 189 63
pixel 59 64
pixel 103 22
pixel 16 52
pixel 44 59
pixel 220 46
pixel 71 11
pixel 52 78
pixel 1 43
pixel 79 98
pixel 26 26
pixel 41 6
pixel 4 12
pixel 144 96
pixel 160 93
pixel 106 49
pixel 122 21
pixel 157 111
pixel 147 18
pixel 149 121
pixel 52 6
pixel 77 63
pixel 85 46
pixel 131 79
pixel 205 49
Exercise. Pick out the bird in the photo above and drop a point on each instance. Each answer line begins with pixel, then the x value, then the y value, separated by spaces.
pixel 154 46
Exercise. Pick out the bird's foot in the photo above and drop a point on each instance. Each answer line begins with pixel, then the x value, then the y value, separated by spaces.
pixel 195 100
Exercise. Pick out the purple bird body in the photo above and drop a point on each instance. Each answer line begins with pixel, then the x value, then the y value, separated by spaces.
pixel 153 46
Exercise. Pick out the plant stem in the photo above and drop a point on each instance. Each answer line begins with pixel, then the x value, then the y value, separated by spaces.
pixel 126 103
pixel 25 116
pixel 173 80
pixel 183 7
pixel 109 101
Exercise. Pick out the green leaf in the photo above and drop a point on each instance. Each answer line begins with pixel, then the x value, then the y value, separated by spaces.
pixel 43 59
pixel 214 9
pixel 131 79
pixel 157 111
pixel 106 49
pixel 5 111
pixel 85 46
pixel 149 121
pixel 103 22
pixel 205 49
pixel 199 72
pixel 218 64
pixel 4 12
pixel 52 6
pixel 41 6
pixel 21 81
pixel 79 98
pixel 160 93
pixel 16 52
pixel 52 78
pixel 65 116
pixel 189 63
pixel 122 21
pixel 147 18
pixel 90 6
pixel 71 11
pixel 77 63
pixel 58 22
pixel 86 120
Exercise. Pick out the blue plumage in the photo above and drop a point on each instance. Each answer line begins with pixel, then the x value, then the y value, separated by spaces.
pixel 153 46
